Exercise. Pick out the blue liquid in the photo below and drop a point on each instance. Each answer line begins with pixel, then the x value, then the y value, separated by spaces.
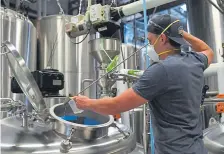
pixel 81 120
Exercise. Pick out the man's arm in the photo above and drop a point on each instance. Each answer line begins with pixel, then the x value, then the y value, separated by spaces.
pixel 111 106
pixel 199 46
pixel 152 83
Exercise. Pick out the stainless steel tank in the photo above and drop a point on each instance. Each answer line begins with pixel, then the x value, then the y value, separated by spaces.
pixel 41 139
pixel 60 52
pixel 208 25
pixel 214 138
pixel 136 118
pixel 61 130
pixel 127 51
pixel 19 30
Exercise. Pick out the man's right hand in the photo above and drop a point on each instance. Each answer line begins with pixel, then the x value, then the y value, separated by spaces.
pixel 198 45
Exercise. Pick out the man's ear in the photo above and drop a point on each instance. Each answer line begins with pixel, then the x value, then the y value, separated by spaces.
pixel 164 39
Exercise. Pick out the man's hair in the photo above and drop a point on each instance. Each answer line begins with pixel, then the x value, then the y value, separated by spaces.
pixel 174 44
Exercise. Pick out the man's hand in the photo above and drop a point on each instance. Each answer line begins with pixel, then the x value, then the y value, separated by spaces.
pixel 83 102
pixel 198 45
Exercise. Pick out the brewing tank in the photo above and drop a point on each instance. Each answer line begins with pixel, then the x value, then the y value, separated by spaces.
pixel 41 139
pixel 134 118
pixel 208 25
pixel 67 55
pixel 20 31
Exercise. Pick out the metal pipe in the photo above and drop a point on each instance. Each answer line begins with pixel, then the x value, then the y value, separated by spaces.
pixel 213 69
pixel 7 3
pixel 214 100
pixel 87 80
pixel 83 83
pixel 17 4
pixel 25 119
pixel 212 93
pixel 44 8
pixel 39 10
pixel 125 116
pixel 136 7
pixel 144 135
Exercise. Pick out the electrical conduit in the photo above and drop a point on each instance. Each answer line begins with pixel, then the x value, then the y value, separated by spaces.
pixel 147 64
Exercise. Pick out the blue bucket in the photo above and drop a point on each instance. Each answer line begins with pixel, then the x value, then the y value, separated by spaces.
pixel 85 120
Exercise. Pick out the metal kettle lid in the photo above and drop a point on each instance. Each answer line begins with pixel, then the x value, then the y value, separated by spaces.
pixel 24 77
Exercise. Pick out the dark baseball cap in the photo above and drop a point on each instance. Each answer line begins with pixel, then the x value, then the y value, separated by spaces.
pixel 158 23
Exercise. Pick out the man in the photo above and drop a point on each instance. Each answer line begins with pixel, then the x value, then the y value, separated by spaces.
pixel 172 86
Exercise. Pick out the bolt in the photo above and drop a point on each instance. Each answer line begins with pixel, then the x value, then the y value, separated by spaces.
pixel 33 97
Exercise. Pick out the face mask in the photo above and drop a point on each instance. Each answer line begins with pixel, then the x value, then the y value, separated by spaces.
pixel 154 57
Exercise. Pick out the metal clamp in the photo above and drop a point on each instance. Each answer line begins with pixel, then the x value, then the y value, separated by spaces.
pixel 7 104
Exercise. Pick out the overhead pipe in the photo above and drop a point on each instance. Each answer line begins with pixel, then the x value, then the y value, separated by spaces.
pixel 136 7
pixel 17 4
pixel 217 69
pixel 44 8
pixel 39 9
pixel 213 69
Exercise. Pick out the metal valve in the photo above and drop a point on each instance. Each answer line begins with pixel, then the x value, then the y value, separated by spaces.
pixel 66 145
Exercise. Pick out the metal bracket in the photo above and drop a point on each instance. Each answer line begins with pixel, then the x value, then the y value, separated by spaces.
pixel 120 130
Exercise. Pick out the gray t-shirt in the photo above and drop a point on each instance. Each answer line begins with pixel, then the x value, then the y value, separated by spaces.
pixel 174 90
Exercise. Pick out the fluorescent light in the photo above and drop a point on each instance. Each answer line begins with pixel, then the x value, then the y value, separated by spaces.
pixel 6 145
pixel 31 145
pixel 47 152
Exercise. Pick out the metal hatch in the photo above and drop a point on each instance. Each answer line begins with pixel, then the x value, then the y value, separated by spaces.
pixel 24 77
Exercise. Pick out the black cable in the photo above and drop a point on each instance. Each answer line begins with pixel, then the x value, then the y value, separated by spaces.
pixel 82 39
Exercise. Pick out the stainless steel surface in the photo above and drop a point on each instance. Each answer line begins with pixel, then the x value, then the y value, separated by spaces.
pixel 221 4
pixel 104 49
pixel 138 150
pixel 212 93
pixel 42 140
pixel 24 77
pixel 137 113
pixel 208 112
pixel 208 25
pixel 127 50
pixel 212 25
pixel 103 74
pixel 145 131
pixel 86 81
pixel 83 132
pixel 6 104
pixel 73 60
pixel 51 101
pixel 214 100
pixel 19 30
pixel 10 107
pixel 214 139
